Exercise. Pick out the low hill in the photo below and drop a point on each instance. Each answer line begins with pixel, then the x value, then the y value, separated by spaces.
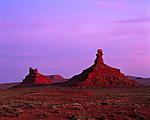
pixel 8 85
pixel 56 78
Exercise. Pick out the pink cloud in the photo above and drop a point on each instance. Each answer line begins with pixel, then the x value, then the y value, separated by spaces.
pixel 23 24
pixel 138 65
pixel 116 4
pixel 138 52
pixel 136 20
pixel 139 31
pixel 119 5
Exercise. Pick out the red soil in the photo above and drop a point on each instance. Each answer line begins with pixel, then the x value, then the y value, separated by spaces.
pixel 53 103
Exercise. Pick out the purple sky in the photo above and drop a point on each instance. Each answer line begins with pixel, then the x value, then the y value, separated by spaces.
pixel 62 36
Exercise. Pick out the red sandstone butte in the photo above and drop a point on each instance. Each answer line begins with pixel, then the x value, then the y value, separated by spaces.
pixel 35 78
pixel 100 74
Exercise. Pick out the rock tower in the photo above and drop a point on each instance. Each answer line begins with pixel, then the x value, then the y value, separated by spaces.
pixel 100 74
pixel 35 78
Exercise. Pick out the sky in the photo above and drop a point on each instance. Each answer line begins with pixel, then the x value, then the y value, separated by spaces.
pixel 62 36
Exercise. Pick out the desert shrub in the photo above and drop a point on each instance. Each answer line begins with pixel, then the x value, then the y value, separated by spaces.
pixel 56 105
pixel 43 115
pixel 29 105
pixel 101 117
pixel 25 105
pixel 91 119
pixel 76 106
pixel 78 117
pixel 141 118
pixel 121 112
pixel 137 116
pixel 7 111
pixel 134 115
pixel 16 104
pixel 115 104
pixel 126 118
pixel 137 106
pixel 38 104
pixel 56 111
pixel 54 108
pixel 105 103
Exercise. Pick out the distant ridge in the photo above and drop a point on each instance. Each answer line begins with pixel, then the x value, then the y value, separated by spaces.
pixel 8 85
pixel 140 80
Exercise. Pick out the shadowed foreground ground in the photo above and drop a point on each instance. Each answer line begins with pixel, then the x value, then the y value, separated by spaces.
pixel 60 103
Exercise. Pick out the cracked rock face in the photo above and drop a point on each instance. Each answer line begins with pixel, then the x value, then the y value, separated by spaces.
pixel 100 74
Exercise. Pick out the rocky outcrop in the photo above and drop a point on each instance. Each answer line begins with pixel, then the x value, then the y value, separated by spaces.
pixel 100 74
pixel 35 78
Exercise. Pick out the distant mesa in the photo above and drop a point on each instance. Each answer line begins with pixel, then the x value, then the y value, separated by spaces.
pixel 100 74
pixel 35 78
pixel 140 80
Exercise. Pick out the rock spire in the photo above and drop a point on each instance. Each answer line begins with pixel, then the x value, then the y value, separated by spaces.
pixel 34 77
pixel 99 59
pixel 100 74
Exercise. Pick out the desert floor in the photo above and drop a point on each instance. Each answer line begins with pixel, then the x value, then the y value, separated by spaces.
pixel 64 103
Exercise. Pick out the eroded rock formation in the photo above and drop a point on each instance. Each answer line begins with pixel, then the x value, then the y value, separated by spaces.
pixel 100 74
pixel 35 78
